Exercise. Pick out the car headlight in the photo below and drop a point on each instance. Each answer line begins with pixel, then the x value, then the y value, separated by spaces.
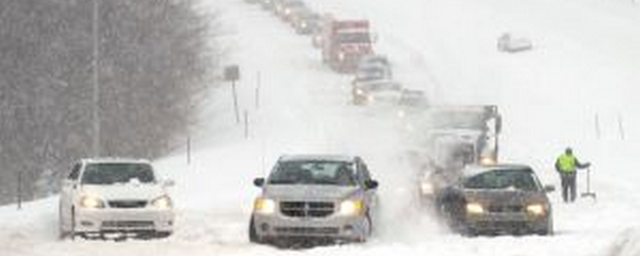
pixel 303 25
pixel 91 202
pixel 475 208
pixel 351 207
pixel 401 114
pixel 487 160
pixel 287 11
pixel 264 206
pixel 536 209
pixel 341 56
pixel 359 92
pixel 163 202
pixel 426 188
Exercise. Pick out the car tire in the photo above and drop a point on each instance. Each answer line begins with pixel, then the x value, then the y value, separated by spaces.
pixel 370 230
pixel 548 231
pixel 253 234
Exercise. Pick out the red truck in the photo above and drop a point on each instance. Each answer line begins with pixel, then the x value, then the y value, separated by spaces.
pixel 344 42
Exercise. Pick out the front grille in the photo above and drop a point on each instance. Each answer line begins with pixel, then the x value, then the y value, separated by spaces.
pixel 307 209
pixel 503 225
pixel 128 204
pixel 307 230
pixel 127 224
pixel 506 208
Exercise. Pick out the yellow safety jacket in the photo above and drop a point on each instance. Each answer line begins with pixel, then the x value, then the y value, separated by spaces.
pixel 567 163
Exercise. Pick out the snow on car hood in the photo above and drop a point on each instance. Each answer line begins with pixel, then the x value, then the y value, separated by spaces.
pixel 309 192
pixel 126 191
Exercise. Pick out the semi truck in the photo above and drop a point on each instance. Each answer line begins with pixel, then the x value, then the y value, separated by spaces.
pixel 344 42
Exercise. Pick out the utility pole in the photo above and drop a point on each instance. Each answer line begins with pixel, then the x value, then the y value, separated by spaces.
pixel 96 79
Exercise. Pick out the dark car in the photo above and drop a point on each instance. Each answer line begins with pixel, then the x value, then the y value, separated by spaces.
pixel 498 199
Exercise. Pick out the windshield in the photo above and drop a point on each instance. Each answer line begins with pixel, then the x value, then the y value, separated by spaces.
pixel 313 172
pixel 380 86
pixel 515 179
pixel 370 73
pixel 112 173
pixel 353 38
pixel 457 120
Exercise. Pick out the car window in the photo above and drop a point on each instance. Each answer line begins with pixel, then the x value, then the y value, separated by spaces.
pixel 522 179
pixel 112 173
pixel 75 172
pixel 313 172
pixel 353 38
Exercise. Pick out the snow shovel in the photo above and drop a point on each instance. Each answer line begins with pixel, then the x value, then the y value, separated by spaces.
pixel 588 193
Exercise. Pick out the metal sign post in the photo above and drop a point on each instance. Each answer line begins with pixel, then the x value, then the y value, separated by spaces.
pixel 232 73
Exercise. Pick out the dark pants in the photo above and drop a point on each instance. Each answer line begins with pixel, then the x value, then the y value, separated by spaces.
pixel 568 186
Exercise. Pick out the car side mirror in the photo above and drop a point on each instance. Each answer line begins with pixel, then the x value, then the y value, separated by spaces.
pixel 371 184
pixel 259 182
pixel 549 188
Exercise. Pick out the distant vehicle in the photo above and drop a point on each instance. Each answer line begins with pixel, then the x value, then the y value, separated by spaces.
pixel 376 91
pixel 506 43
pixel 252 1
pixel 284 8
pixel 411 104
pixel 413 99
pixel 306 22
pixel 370 73
pixel 315 199
pixel 378 61
pixel 498 199
pixel 292 9
pixel 121 197
pixel 478 125
pixel 344 42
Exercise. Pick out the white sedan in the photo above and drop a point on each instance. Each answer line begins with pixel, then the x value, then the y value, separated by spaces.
pixel 115 197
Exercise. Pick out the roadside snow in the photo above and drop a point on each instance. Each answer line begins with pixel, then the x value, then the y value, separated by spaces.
pixel 584 62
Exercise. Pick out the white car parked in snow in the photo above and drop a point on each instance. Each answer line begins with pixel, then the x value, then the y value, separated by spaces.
pixel 122 197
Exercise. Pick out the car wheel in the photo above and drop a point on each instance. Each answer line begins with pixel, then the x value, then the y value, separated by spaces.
pixel 253 234
pixel 548 231
pixel 370 228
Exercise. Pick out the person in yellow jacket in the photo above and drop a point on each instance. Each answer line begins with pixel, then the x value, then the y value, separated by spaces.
pixel 567 164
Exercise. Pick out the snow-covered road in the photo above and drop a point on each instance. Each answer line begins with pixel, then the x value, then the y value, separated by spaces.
pixel 585 61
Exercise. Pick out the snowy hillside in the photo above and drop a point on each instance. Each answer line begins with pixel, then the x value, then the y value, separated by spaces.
pixel 584 63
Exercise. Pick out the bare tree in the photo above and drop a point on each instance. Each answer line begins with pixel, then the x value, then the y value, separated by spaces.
pixel 156 57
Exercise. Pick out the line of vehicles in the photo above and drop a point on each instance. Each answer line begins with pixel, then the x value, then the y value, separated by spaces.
pixel 346 46
pixel 305 199
pixel 333 198
pixel 456 147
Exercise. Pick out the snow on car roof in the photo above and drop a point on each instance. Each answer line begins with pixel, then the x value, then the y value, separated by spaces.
pixel 318 157
pixel 473 170
pixel 115 160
